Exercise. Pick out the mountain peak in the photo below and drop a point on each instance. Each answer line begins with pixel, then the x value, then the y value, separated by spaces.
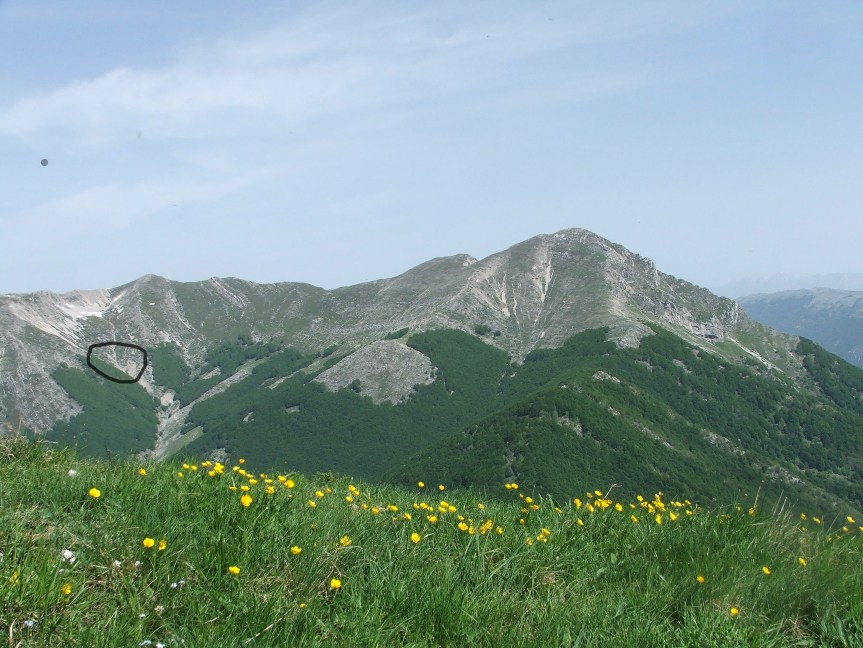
pixel 535 294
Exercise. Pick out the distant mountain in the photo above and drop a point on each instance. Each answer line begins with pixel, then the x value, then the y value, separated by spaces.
pixel 779 283
pixel 370 379
pixel 832 318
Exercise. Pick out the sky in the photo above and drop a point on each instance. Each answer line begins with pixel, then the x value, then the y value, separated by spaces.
pixel 339 142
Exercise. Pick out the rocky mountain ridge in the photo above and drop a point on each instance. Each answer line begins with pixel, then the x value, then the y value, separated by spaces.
pixel 535 294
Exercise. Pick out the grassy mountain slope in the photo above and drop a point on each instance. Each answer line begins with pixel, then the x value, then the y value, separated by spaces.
pixel 664 416
pixel 299 424
pixel 116 420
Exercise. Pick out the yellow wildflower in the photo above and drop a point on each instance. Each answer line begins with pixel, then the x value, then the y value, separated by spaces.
pixel 421 484
pixel 415 538
pixel 289 483
pixel 801 561
pixel 335 583
pixel 246 499
pixel 441 487
pixel 296 551
pixel 148 543
pixel 700 579
pixel 765 570
pixel 734 611
pixel 95 493
pixel 345 541
pixel 234 570
pixel 163 544
pixel 142 472
pixel 66 589
pixel 312 504
pixel 431 518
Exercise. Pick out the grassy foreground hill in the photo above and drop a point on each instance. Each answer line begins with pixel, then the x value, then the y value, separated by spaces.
pixel 96 553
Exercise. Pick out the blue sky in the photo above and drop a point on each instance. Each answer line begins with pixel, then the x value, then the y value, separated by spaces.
pixel 338 142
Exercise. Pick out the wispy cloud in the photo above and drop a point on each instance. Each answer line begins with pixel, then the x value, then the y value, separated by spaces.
pixel 328 64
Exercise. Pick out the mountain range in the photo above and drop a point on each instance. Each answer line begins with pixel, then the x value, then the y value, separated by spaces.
pixel 833 318
pixel 563 360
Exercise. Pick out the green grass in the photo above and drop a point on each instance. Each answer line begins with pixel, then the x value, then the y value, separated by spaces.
pixel 566 576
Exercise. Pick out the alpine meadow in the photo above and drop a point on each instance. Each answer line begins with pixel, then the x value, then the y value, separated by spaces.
pixel 556 444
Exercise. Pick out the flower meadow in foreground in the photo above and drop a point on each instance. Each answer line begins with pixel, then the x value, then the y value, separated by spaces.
pixel 237 540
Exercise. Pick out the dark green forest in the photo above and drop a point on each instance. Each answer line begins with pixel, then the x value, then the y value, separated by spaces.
pixel 116 419
pixel 570 431
pixel 303 426
pixel 665 416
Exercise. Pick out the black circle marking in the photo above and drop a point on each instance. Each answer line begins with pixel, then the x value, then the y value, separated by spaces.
pixel 44 162
pixel 123 344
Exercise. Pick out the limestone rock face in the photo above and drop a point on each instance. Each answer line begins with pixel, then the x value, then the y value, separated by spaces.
pixel 535 294
pixel 387 370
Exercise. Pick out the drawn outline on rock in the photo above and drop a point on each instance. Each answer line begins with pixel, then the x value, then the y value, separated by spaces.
pixel 123 344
